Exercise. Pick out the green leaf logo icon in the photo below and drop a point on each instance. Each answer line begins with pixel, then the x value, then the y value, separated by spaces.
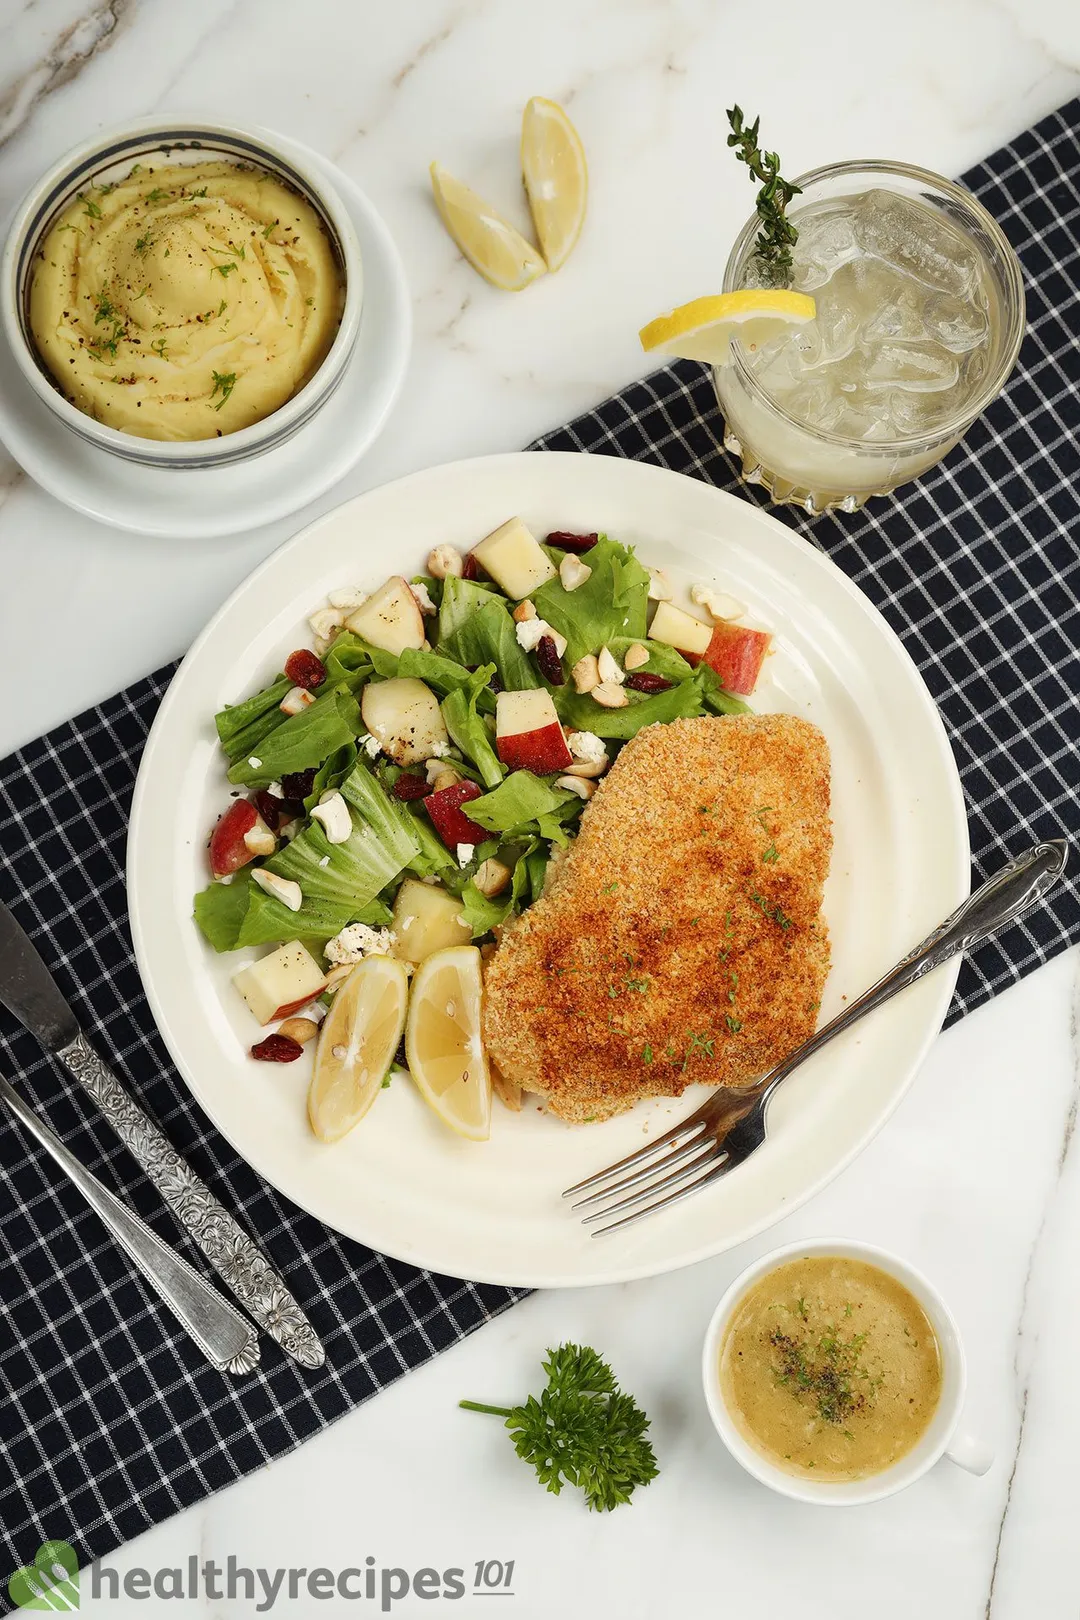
pixel 51 1582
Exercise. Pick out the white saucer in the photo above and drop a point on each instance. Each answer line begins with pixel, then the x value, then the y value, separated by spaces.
pixel 178 504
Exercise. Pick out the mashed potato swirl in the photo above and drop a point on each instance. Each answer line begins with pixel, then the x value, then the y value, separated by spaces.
pixel 185 302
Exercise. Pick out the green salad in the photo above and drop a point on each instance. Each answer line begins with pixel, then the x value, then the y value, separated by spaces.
pixel 450 730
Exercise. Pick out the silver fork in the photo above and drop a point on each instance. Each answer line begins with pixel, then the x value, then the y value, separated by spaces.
pixel 721 1134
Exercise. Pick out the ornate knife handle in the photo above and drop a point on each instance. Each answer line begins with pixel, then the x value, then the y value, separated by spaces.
pixel 234 1255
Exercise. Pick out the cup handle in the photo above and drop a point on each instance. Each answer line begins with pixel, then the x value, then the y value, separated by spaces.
pixel 968 1451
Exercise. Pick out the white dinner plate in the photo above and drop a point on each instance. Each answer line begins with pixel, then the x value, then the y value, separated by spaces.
pixel 401 1182
pixel 210 501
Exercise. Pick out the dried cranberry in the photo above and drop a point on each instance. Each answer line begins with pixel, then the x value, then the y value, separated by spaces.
pixel 297 785
pixel 639 681
pixel 470 568
pixel 277 1049
pixel 572 542
pixel 548 661
pixel 304 669
pixel 410 786
pixel 269 808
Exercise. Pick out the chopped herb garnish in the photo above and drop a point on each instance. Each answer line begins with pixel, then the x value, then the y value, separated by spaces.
pixel 272 226
pixel 156 195
pixel 733 1024
pixel 609 888
pixel 770 909
pixel 143 245
pixel 224 383
pixel 158 347
pixel 777 235
pixel 771 854
pixel 92 210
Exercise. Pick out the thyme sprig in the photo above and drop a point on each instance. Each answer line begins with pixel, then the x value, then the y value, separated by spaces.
pixel 777 235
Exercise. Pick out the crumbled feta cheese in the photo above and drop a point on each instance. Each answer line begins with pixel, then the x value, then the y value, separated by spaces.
pixel 587 746
pixel 465 853
pixel 325 861
pixel 370 745
pixel 439 750
pixel 529 631
pixel 326 623
pixel 423 599
pixel 256 764
pixel 357 941
pixel 349 597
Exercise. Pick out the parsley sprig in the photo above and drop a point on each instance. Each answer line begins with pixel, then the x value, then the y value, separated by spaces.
pixel 777 235
pixel 581 1430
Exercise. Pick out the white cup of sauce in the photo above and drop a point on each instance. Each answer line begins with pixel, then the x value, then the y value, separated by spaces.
pixel 944 1435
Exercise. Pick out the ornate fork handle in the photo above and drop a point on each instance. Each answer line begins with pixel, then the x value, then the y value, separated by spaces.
pixel 1018 886
pixel 233 1254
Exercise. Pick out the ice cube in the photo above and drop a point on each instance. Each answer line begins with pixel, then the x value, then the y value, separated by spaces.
pixel 826 241
pixel 899 319
pixel 916 367
pixel 816 404
pixel 959 324
pixel 918 239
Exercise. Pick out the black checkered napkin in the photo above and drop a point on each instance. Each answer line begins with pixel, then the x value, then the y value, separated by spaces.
pixel 109 1421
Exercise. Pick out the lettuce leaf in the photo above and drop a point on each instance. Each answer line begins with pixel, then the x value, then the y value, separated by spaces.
pixel 483 914
pixel 610 604
pixel 663 660
pixel 476 627
pixel 715 696
pixel 467 728
pixel 348 660
pixel 577 709
pixel 221 908
pixel 240 726
pixel 302 741
pixel 514 806
pixel 268 922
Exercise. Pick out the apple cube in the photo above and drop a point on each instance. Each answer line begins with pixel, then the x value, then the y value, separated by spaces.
pixel 513 557
pixel 390 619
pixel 736 653
pixel 404 715
pixel 449 819
pixel 229 850
pixel 280 983
pixel 426 919
pixel 684 632
pixel 528 735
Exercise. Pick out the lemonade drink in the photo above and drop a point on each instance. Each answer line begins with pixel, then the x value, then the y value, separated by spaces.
pixel 919 320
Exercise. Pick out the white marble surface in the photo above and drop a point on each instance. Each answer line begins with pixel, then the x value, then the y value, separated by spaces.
pixel 973 1178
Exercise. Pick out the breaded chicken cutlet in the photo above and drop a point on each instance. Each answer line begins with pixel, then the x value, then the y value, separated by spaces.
pixel 681 938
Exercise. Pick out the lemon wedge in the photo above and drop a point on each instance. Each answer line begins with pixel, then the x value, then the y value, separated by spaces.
pixel 556 178
pixel 704 328
pixel 357 1042
pixel 490 243
pixel 442 1041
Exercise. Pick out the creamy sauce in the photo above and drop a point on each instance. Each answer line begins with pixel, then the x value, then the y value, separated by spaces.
pixel 830 1365
pixel 186 301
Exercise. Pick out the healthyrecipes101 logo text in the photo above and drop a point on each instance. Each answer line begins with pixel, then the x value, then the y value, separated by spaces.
pixel 52 1582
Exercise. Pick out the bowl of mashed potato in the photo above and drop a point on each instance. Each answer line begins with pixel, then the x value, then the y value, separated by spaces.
pixel 182 295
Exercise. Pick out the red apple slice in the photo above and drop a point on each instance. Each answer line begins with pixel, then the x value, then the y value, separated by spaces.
pixel 404 715
pixel 528 735
pixel 736 654
pixel 281 983
pixel 513 557
pixel 449 820
pixel 390 619
pixel 228 851
pixel 684 632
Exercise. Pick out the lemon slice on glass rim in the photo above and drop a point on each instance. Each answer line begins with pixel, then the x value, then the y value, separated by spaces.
pixel 357 1042
pixel 556 178
pixel 705 328
pixel 442 1040
pixel 490 243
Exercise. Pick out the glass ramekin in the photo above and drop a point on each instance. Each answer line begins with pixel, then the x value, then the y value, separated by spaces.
pixel 815 469
pixel 111 157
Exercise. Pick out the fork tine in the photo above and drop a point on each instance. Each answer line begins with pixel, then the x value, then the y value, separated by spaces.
pixel 712 1175
pixel 703 1159
pixel 657 1168
pixel 693 1122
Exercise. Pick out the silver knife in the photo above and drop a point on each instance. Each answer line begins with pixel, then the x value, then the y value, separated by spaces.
pixel 28 990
